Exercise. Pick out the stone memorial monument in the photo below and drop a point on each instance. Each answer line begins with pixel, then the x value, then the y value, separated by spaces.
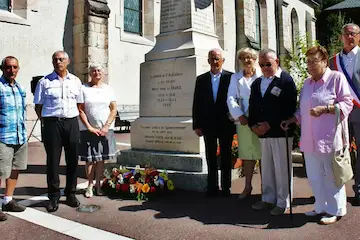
pixel 163 136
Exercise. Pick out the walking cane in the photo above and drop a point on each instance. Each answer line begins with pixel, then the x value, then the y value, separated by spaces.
pixel 289 171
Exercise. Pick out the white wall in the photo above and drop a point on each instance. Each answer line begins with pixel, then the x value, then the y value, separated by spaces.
pixel 126 53
pixel 34 43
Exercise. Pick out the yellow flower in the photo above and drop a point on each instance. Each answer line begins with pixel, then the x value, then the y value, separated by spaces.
pixel 164 176
pixel 170 185
pixel 146 188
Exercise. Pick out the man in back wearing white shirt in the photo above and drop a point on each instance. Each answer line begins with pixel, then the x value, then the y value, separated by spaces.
pixel 56 101
pixel 348 62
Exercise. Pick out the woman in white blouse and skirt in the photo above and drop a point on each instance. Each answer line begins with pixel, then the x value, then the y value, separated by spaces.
pixel 238 103
pixel 97 140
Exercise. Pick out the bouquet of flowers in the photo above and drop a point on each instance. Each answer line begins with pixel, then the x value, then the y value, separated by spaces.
pixel 136 183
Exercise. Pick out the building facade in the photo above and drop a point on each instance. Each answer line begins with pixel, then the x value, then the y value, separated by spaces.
pixel 118 34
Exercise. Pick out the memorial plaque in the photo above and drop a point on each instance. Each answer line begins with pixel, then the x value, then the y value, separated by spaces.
pixel 167 87
pixel 181 15
pixel 175 15
pixel 203 17
pixel 164 134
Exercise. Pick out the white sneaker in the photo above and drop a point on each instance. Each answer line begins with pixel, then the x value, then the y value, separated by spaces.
pixel 89 192
pixel 313 213
pixel 328 219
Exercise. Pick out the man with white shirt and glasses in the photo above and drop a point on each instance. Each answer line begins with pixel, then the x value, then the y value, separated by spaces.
pixel 348 62
pixel 272 100
pixel 13 146
pixel 56 101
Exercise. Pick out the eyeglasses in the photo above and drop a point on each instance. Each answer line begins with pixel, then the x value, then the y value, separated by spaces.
pixel 313 62
pixel 215 59
pixel 265 65
pixel 353 34
pixel 60 59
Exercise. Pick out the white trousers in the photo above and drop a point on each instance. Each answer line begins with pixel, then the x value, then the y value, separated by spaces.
pixel 328 197
pixel 274 172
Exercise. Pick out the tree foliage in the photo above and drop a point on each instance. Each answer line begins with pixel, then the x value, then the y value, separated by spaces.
pixel 328 26
pixel 295 63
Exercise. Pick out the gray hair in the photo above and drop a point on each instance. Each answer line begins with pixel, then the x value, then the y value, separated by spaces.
pixel 253 53
pixel 350 25
pixel 217 50
pixel 95 66
pixel 268 52
pixel 63 52
pixel 6 58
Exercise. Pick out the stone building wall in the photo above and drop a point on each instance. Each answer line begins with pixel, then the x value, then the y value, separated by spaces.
pixel 35 29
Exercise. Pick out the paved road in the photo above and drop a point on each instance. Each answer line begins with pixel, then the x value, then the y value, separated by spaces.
pixel 184 215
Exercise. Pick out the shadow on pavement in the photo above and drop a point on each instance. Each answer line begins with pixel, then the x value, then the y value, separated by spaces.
pixel 299 171
pixel 217 211
pixel 31 191
pixel 41 169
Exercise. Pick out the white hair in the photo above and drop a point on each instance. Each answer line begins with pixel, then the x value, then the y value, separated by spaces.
pixel 268 52
pixel 217 50
pixel 95 66
pixel 350 25
pixel 63 52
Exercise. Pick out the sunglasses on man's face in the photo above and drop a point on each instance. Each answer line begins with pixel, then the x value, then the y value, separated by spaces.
pixel 265 65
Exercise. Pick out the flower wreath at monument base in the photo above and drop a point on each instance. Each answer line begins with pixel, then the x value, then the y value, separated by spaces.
pixel 137 183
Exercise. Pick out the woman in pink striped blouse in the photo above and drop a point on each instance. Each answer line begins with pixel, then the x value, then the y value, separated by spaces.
pixel 319 95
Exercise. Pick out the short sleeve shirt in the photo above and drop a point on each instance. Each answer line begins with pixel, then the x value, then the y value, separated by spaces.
pixel 12 113
pixel 59 97
pixel 97 105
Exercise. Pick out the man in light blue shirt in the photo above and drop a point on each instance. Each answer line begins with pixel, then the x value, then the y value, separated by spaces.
pixel 13 146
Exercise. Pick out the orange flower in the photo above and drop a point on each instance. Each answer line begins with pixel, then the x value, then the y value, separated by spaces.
pixel 235 137
pixel 145 188
pixel 138 186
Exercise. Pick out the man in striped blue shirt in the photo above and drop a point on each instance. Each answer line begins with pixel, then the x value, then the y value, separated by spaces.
pixel 13 145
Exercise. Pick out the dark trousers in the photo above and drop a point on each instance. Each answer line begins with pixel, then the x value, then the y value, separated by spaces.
pixel 225 160
pixel 60 133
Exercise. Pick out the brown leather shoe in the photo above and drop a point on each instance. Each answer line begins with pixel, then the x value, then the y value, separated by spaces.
pixel 3 216
pixel 13 206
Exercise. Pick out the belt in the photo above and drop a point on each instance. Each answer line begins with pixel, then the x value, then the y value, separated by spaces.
pixel 58 118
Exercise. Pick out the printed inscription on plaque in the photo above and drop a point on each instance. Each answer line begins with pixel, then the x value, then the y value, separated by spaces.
pixel 177 137
pixel 163 135
pixel 203 19
pixel 167 88
pixel 175 15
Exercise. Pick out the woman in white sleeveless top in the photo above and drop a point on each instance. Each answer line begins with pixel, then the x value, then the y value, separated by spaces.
pixel 97 139
pixel 238 103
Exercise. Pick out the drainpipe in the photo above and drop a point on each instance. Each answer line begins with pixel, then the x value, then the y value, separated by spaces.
pixel 277 24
